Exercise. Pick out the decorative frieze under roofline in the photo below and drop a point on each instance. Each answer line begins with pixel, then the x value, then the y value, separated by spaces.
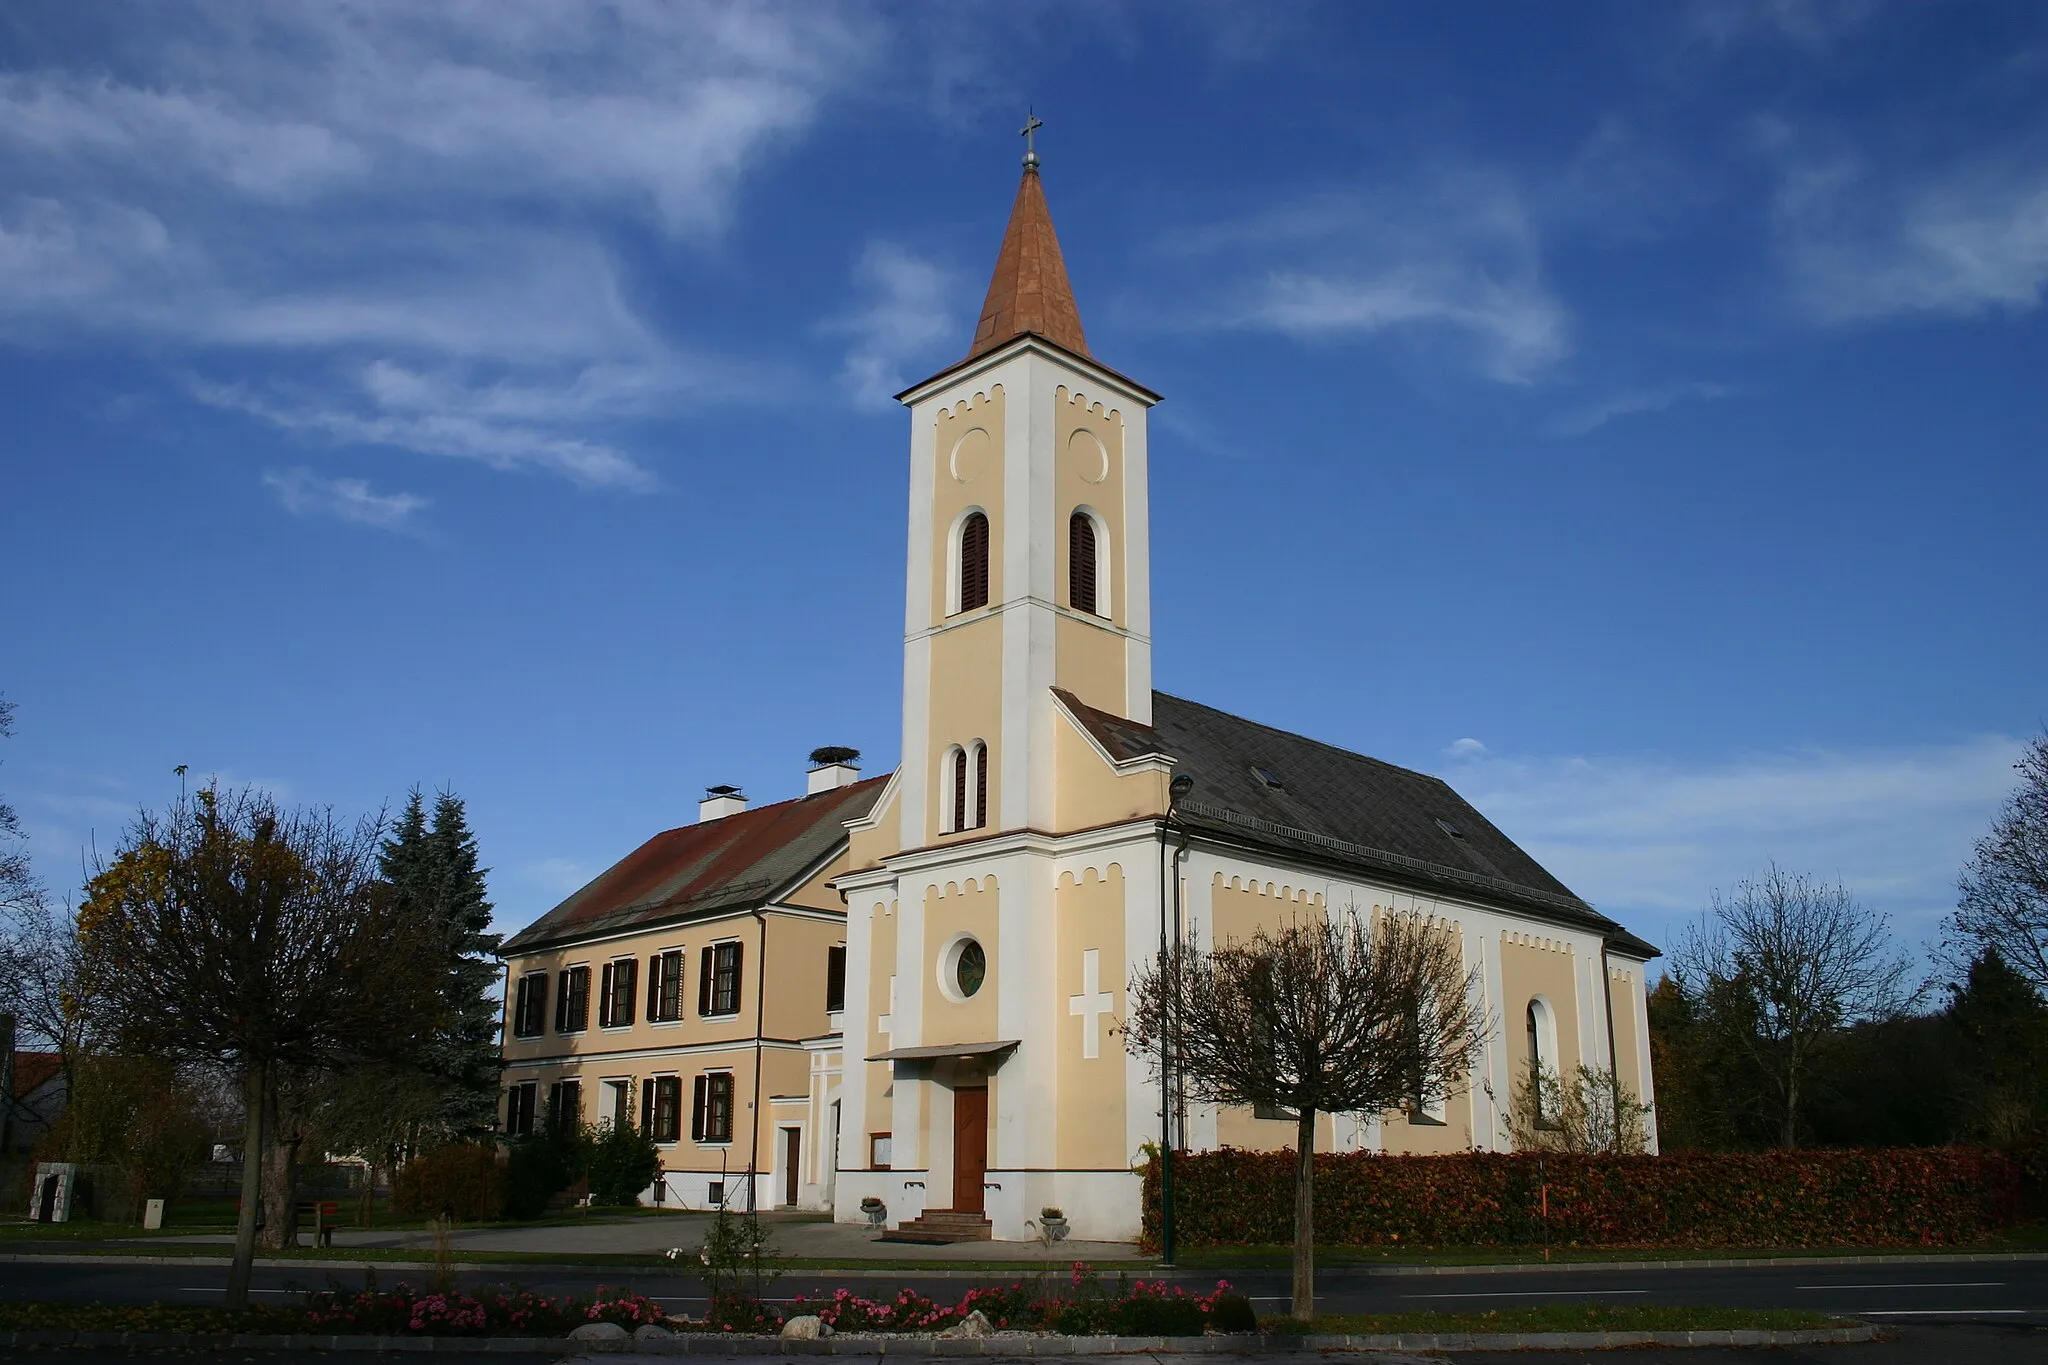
pixel 912 861
pixel 973 368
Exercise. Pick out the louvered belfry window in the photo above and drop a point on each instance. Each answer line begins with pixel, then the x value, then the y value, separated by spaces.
pixel 974 562
pixel 1081 564
pixel 980 813
pixel 959 761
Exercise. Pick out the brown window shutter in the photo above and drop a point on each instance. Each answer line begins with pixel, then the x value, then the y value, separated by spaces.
pixel 562 1003
pixel 704 969
pixel 1081 563
pixel 960 820
pixel 604 999
pixel 697 1097
pixel 518 1010
pixel 974 563
pixel 653 987
pixel 647 1106
pixel 536 1003
pixel 628 989
pixel 739 955
pixel 569 1109
pixel 980 785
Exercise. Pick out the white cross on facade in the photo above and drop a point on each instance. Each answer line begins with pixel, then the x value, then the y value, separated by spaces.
pixel 887 1022
pixel 1092 1003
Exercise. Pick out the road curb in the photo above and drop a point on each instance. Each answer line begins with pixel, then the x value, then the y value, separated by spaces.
pixel 708 1345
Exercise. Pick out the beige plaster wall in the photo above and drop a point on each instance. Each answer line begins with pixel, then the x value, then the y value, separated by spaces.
pixel 1531 965
pixel 1090 914
pixel 877 1077
pixel 1089 662
pixel 799 951
pixel 1240 907
pixel 958 907
pixel 818 893
pixel 982 456
pixel 1089 792
pixel 966 704
pixel 877 837
pixel 1625 988
pixel 1076 422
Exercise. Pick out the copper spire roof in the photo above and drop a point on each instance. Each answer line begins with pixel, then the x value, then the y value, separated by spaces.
pixel 1029 292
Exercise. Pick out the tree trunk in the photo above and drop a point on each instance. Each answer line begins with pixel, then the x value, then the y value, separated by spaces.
pixel 281 1186
pixel 253 1091
pixel 1789 1136
pixel 1304 1309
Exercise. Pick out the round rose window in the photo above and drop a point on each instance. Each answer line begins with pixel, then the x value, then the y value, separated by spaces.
pixel 970 967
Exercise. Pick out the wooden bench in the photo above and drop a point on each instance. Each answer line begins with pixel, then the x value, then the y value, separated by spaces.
pixel 322 1213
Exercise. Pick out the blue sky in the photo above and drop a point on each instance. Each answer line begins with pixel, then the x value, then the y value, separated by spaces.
pixel 1631 412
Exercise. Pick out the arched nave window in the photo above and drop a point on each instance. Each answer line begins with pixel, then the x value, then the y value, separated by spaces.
pixel 973 582
pixel 1081 552
pixel 1542 1062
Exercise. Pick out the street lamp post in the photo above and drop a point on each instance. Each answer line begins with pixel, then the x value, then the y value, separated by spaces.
pixel 1175 791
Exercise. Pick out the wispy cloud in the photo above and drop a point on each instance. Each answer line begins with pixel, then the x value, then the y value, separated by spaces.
pixel 303 493
pixel 387 190
pixel 1629 402
pixel 909 310
pixel 1457 260
pixel 1860 245
pixel 1811 24
pixel 1647 839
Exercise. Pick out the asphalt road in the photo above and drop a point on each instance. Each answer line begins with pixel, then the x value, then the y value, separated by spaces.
pixel 1997 1292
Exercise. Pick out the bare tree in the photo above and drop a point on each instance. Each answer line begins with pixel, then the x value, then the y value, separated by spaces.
pixel 1324 1016
pixel 1780 969
pixel 233 934
pixel 2004 901
pixel 1588 1111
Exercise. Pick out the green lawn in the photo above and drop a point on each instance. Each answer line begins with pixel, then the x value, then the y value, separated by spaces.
pixel 2028 1239
pixel 1564 1317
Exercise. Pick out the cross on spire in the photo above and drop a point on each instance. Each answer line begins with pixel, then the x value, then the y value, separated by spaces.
pixel 1032 123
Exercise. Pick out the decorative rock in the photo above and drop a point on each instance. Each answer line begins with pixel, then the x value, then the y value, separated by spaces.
pixel 599 1331
pixel 809 1327
pixel 647 1331
pixel 975 1324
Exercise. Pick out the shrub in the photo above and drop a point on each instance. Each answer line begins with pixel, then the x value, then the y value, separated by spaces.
pixel 541 1166
pixel 623 1161
pixel 1868 1197
pixel 464 1181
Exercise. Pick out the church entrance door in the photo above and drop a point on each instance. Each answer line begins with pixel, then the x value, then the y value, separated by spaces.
pixel 970 1148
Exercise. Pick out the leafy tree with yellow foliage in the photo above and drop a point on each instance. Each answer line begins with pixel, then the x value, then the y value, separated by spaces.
pixel 235 934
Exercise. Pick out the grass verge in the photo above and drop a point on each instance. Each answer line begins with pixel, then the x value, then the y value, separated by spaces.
pixel 1334 1257
pixel 1565 1317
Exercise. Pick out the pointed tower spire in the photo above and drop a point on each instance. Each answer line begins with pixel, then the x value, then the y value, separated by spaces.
pixel 1029 291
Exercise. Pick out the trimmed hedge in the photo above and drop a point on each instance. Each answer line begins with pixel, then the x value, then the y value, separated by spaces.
pixel 1868 1197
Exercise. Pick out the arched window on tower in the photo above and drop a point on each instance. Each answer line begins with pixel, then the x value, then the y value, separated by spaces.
pixel 974 562
pixel 967 787
pixel 1081 595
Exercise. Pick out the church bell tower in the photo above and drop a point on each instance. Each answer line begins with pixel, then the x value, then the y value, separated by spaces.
pixel 1029 549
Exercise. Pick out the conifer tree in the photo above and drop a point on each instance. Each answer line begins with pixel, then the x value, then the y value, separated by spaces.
pixel 434 875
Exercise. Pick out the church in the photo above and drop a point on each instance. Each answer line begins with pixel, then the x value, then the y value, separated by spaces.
pixel 897 997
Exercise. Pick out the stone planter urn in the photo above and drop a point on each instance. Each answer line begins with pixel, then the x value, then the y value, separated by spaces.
pixel 876 1212
pixel 1054 1221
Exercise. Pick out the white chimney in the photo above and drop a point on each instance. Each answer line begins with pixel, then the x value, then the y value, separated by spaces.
pixel 720 802
pixel 830 776
pixel 832 767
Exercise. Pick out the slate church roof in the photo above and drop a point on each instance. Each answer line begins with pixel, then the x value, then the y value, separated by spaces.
pixel 735 863
pixel 1263 788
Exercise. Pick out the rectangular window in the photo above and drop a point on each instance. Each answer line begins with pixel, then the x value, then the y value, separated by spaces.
pixel 835 979
pixel 530 1005
pixel 668 1106
pixel 621 980
pixel 880 1150
pixel 520 1102
pixel 711 1108
pixel 572 1000
pixel 665 986
pixel 565 1106
pixel 724 974
pixel 618 1103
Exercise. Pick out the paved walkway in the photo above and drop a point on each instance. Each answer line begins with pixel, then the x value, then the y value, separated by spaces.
pixel 797 1236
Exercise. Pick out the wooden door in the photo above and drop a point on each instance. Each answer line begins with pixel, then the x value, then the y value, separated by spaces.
pixel 789 1178
pixel 970 1148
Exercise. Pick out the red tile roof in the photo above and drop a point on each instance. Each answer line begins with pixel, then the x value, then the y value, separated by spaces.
pixel 736 863
pixel 32 1070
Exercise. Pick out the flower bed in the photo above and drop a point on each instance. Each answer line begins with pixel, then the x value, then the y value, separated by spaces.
pixel 1888 1197
pixel 1077 1303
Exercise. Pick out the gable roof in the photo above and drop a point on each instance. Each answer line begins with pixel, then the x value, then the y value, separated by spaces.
pixel 1267 788
pixel 737 863
pixel 1029 291
pixel 33 1070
